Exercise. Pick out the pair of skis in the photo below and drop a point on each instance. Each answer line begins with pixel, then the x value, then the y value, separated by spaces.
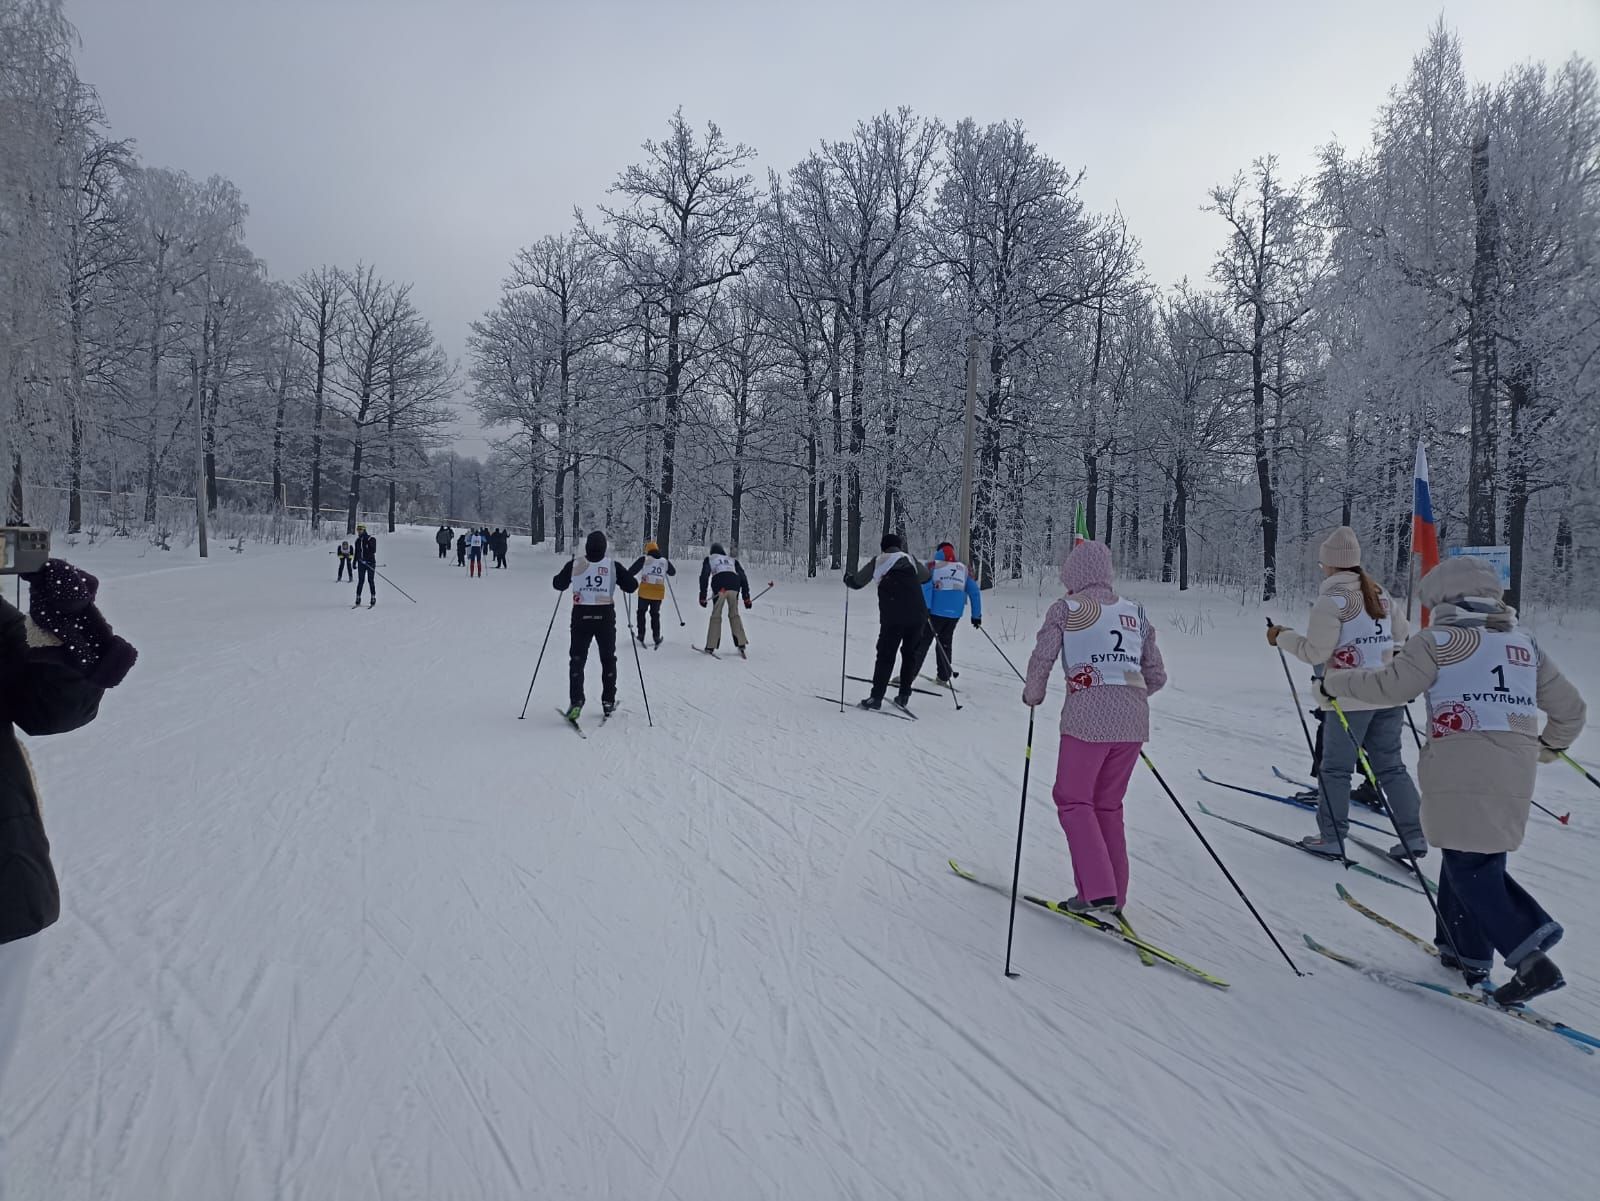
pixel 578 729
pixel 1587 1043
pixel 1119 928
pixel 1285 840
pixel 893 710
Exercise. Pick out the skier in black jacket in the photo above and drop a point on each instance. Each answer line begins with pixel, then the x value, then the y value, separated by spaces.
pixel 903 627
pixel 54 666
pixel 593 579
pixel 366 566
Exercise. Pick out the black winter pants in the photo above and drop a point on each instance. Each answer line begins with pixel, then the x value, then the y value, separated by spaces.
pixel 944 629
pixel 599 628
pixel 347 570
pixel 653 608
pixel 364 576
pixel 910 643
pixel 444 549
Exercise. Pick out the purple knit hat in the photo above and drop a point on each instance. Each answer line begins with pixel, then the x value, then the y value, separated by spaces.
pixel 61 600
pixel 1086 566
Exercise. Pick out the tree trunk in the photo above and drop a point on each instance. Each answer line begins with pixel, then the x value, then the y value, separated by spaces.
pixel 318 408
pixel 1481 338
pixel 669 426
pixel 1520 395
pixel 1263 456
pixel 1180 524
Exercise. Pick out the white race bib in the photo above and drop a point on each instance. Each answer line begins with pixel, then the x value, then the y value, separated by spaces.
pixel 949 577
pixel 1102 645
pixel 1365 643
pixel 722 565
pixel 592 583
pixel 654 572
pixel 1488 680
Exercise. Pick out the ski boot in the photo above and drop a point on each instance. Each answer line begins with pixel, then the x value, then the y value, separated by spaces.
pixel 607 708
pixel 1536 975
pixel 573 713
pixel 871 702
pixel 372 603
pixel 1106 906
pixel 742 655
pixel 1317 845
pixel 903 703
pixel 658 644
pixel 1475 977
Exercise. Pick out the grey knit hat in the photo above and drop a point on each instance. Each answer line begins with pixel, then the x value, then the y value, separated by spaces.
pixel 1342 550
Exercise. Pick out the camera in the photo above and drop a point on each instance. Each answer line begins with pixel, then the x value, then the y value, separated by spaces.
pixel 22 550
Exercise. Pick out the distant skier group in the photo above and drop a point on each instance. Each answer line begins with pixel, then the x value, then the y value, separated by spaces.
pixel 472 546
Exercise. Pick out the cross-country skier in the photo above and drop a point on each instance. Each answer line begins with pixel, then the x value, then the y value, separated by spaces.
pixel 499 541
pixel 947 594
pixel 652 569
pixel 347 554
pixel 1107 647
pixel 724 576
pixel 444 537
pixel 366 566
pixel 1354 624
pixel 475 554
pixel 1486 683
pixel 461 550
pixel 903 628
pixel 593 579
pixel 55 664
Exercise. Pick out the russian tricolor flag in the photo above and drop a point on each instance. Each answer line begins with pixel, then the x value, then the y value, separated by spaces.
pixel 1424 533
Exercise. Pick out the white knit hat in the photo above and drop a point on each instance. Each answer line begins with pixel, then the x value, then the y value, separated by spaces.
pixel 1342 550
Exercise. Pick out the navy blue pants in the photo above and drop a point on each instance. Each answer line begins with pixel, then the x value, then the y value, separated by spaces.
pixel 1488 911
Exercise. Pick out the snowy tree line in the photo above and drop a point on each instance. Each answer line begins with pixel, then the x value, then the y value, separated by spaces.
pixel 783 363
pixel 144 347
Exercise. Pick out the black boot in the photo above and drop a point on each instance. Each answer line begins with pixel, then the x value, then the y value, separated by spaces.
pixel 1536 975
pixel 1474 976
pixel 872 702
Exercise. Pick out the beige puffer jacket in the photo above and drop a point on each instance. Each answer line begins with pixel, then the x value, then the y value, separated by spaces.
pixel 1338 599
pixel 1477 786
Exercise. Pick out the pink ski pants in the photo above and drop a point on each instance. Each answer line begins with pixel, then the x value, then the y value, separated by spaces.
pixel 1091 779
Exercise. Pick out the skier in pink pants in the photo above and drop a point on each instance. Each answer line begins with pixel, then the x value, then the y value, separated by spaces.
pixel 1107 648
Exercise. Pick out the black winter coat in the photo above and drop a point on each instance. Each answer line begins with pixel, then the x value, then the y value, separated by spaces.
pixel 41 692
pixel 900 599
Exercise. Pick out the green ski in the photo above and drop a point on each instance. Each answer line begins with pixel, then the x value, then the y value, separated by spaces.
pixel 1103 927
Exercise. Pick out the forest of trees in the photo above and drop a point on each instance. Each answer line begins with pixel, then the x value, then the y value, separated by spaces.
pixel 783 363
pixel 143 347
pixel 780 359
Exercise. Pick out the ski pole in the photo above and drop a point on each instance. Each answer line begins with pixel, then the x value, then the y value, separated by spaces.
pixel 1217 859
pixel 1311 747
pixel 1016 863
pixel 937 649
pixel 844 652
pixel 1577 767
pixel 642 690
pixel 1405 844
pixel 770 586
pixel 395 586
pixel 675 608
pixel 536 665
pixel 1003 655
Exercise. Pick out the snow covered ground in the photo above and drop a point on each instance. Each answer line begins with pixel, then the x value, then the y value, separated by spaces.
pixel 338 925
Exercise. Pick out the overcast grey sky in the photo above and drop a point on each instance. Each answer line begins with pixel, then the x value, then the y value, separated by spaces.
pixel 432 138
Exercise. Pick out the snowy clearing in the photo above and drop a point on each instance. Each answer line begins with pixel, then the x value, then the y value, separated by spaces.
pixel 337 924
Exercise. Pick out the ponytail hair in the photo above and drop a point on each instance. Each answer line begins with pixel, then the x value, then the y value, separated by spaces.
pixel 1371 595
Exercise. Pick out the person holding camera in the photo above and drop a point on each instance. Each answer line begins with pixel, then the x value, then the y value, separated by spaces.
pixel 55 663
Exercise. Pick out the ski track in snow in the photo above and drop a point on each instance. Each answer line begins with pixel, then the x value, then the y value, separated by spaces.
pixel 337 924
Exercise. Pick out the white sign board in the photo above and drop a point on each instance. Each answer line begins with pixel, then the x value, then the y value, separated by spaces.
pixel 1499 558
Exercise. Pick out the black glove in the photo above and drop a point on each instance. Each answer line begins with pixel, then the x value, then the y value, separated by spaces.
pixel 977 623
pixel 61 601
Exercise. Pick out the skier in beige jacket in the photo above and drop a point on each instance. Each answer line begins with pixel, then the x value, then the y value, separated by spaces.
pixel 1354 623
pixel 1486 683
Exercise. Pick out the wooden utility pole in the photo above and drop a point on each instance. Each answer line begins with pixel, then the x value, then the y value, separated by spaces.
pixel 966 454
pixel 199 455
